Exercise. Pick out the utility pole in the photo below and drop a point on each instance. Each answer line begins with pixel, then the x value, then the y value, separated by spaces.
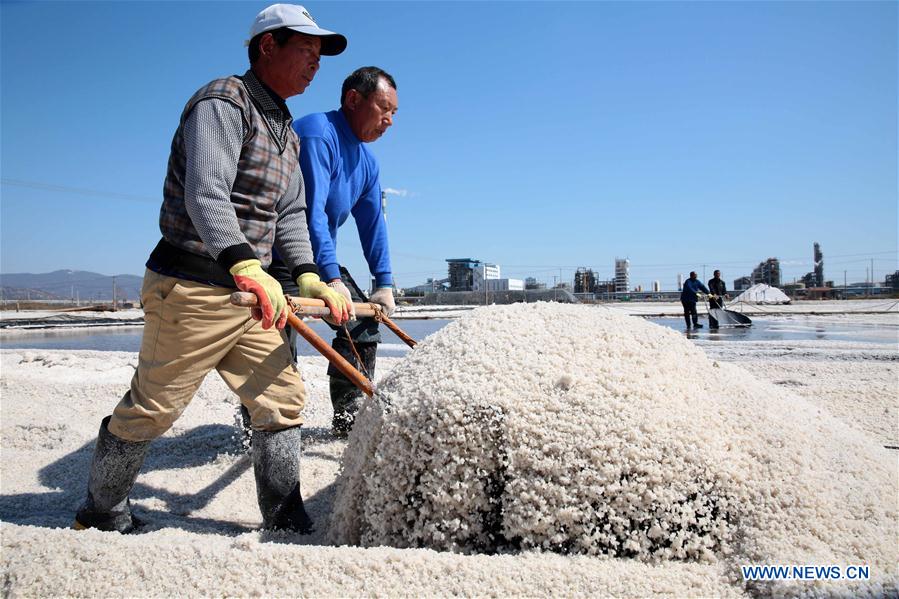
pixel 113 293
pixel 872 277
pixel 485 283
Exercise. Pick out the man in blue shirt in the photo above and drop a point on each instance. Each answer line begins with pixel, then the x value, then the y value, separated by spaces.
pixel 342 179
pixel 688 298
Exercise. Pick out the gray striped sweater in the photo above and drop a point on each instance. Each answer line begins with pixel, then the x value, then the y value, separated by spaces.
pixel 234 187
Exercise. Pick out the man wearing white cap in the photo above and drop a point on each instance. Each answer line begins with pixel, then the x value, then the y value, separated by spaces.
pixel 233 190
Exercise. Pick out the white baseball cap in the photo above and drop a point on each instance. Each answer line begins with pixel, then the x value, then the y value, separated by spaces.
pixel 297 18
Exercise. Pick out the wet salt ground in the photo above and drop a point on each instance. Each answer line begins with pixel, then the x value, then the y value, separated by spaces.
pixel 791 328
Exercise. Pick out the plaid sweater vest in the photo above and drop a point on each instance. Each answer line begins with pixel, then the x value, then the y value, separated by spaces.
pixel 263 175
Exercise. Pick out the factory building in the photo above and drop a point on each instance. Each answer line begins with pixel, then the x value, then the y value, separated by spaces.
pixel 622 275
pixel 816 277
pixel 742 283
pixel 461 273
pixel 532 283
pixel 767 272
pixel 468 274
pixel 584 280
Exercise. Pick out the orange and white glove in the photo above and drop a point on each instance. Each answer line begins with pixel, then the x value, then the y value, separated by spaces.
pixel 384 296
pixel 272 307
pixel 311 286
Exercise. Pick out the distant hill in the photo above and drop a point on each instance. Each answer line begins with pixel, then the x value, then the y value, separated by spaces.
pixel 67 284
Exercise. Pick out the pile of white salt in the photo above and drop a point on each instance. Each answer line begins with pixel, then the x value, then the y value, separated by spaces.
pixel 579 430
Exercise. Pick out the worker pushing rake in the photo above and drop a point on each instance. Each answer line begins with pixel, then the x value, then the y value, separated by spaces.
pixel 719 316
pixel 233 196
pixel 298 307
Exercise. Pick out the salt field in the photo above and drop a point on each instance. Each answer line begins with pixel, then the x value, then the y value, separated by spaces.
pixel 533 423
pixel 875 322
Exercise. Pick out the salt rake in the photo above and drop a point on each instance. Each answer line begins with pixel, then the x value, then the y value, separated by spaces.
pixel 317 308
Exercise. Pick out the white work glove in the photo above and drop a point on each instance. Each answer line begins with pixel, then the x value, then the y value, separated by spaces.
pixel 338 286
pixel 384 296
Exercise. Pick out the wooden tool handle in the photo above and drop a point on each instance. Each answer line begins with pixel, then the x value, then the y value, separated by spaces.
pixel 356 377
pixel 339 362
pixel 397 331
pixel 308 306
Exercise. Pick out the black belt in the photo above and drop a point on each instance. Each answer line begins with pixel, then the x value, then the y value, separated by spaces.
pixel 172 261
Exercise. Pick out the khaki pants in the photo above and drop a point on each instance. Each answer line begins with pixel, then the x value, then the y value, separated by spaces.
pixel 189 329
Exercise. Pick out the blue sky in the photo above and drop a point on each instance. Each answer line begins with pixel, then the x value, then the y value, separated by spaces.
pixel 540 136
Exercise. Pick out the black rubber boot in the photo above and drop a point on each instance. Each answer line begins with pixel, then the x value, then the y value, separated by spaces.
pixel 113 472
pixel 345 396
pixel 246 427
pixel 276 464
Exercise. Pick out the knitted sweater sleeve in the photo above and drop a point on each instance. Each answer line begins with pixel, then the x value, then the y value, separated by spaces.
pixel 291 232
pixel 213 135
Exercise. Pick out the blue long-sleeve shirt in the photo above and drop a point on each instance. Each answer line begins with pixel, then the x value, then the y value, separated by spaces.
pixel 342 178
pixel 691 288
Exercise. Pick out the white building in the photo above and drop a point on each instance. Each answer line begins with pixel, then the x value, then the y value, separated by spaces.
pixel 680 281
pixel 490 272
pixel 656 286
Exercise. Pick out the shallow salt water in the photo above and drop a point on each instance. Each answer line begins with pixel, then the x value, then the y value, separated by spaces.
pixel 128 338
pixel 792 328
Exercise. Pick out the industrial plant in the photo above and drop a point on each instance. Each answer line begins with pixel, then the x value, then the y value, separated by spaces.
pixel 474 281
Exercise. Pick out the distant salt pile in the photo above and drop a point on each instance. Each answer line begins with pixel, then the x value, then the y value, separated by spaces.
pixel 579 430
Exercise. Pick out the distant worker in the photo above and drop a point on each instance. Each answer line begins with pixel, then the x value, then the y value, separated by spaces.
pixel 342 178
pixel 232 190
pixel 717 290
pixel 689 297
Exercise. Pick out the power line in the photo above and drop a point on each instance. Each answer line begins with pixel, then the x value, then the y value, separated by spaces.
pixel 79 190
pixel 60 286
pixel 633 264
